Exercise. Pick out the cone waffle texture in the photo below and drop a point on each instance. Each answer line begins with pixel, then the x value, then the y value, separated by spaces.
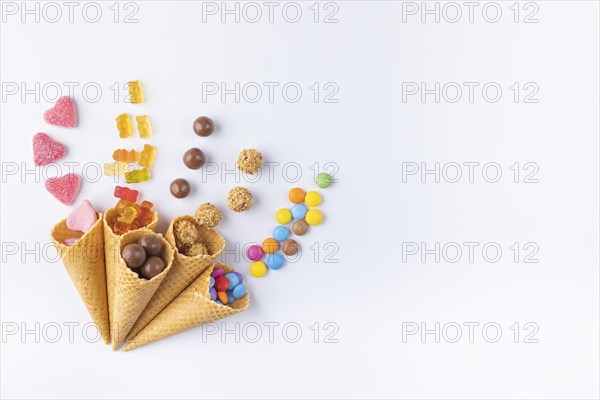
pixel 183 272
pixel 192 308
pixel 132 293
pixel 112 256
pixel 84 261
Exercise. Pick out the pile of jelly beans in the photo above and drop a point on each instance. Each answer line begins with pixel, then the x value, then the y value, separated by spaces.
pixel 226 288
pixel 302 217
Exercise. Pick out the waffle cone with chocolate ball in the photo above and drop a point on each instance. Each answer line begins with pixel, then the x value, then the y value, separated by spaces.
pixel 193 307
pixel 184 270
pixel 84 261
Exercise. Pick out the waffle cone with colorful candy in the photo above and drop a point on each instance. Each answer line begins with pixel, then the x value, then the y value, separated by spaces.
pixel 79 240
pixel 185 268
pixel 191 308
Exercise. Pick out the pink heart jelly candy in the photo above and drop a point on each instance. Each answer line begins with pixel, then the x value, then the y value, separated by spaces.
pixel 46 149
pixel 64 113
pixel 83 217
pixel 64 188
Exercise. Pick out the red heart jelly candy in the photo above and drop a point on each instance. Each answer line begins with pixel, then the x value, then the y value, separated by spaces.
pixel 64 188
pixel 64 113
pixel 46 149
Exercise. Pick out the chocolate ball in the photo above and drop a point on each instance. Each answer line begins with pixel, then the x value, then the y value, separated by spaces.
pixel 194 158
pixel 134 255
pixel 151 245
pixel 203 126
pixel 289 247
pixel 180 188
pixel 152 267
pixel 299 227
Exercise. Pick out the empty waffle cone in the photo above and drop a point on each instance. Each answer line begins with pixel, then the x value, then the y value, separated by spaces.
pixel 183 272
pixel 192 308
pixel 132 293
pixel 84 261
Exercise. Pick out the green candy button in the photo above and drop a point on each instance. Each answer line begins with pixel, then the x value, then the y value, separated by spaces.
pixel 323 180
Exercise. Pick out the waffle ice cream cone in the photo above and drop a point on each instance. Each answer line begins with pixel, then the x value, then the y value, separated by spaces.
pixel 84 261
pixel 183 272
pixel 192 308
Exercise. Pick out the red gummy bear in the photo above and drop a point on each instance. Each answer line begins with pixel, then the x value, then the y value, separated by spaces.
pixel 126 194
pixel 46 149
pixel 64 113
pixel 64 188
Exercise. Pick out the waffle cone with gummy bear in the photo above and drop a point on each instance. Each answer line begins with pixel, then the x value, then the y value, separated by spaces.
pixel 193 307
pixel 183 272
pixel 84 261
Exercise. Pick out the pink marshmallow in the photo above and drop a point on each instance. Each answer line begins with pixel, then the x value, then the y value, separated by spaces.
pixel 83 217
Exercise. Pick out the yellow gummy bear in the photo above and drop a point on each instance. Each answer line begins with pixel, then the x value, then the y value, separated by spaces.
pixel 136 93
pixel 124 125
pixel 116 168
pixel 137 176
pixel 147 156
pixel 144 127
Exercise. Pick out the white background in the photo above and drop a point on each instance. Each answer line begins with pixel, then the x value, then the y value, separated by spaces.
pixel 370 294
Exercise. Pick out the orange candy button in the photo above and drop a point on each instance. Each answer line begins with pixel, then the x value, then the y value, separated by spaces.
pixel 222 296
pixel 270 245
pixel 296 195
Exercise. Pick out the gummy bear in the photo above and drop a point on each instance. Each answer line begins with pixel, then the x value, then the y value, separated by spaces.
pixel 128 215
pixel 126 156
pixel 116 168
pixel 136 93
pixel 144 127
pixel 121 227
pixel 147 156
pixel 137 176
pixel 124 125
pixel 126 193
pixel 147 204
pixel 122 204
pixel 145 216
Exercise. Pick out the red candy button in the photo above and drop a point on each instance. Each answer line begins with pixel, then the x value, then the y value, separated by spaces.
pixel 221 284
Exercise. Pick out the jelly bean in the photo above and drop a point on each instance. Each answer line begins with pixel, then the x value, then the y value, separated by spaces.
pixel 281 233
pixel 255 252
pixel 222 296
pixel 298 211
pixel 240 277
pixel 313 199
pixel 221 283
pixel 213 294
pixel 283 216
pixel 239 291
pixel 212 281
pixel 274 261
pixel 258 269
pixel 270 245
pixel 217 272
pixel 296 195
pixel 323 180
pixel 314 217
pixel 233 280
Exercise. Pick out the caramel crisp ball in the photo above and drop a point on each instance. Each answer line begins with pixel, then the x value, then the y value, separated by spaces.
pixel 194 158
pixel 250 161
pixel 203 126
pixel 134 255
pixel 197 249
pixel 208 215
pixel 239 199
pixel 180 188
pixel 186 233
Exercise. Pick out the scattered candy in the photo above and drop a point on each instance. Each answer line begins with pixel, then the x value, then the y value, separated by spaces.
pixel 296 195
pixel 64 188
pixel 299 227
pixel 126 156
pixel 239 199
pixel 283 216
pixel 180 188
pixel 274 261
pixel 323 180
pixel 312 199
pixel 255 253
pixel 289 247
pixel 116 168
pixel 144 126
pixel 137 176
pixel 126 194
pixel 298 211
pixel 208 215
pixel 258 269
pixel 250 161
pixel 83 217
pixel 314 217
pixel 46 149
pixel 64 113
pixel 203 126
pixel 270 245
pixel 124 126
pixel 281 233
pixel 194 158
pixel 147 156
pixel 136 92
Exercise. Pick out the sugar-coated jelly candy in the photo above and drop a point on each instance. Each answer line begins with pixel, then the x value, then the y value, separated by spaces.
pixel 233 280
pixel 137 176
pixel 281 233
pixel 143 126
pixel 136 93
pixel 126 193
pixel 64 113
pixel 116 168
pixel 274 261
pixel 64 188
pixel 239 291
pixel 124 125
pixel 126 155
pixel 46 149
pixel 147 156
pixel 258 269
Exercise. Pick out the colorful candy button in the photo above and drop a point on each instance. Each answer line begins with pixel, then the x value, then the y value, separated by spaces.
pixel 270 245
pixel 283 216
pixel 217 272
pixel 296 195
pixel 274 261
pixel 239 291
pixel 233 280
pixel 314 217
pixel 255 253
pixel 298 211
pixel 258 269
pixel 221 284
pixel 313 199
pixel 281 233
pixel 323 180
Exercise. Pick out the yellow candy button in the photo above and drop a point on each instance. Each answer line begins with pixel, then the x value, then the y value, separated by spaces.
pixel 258 269
pixel 312 199
pixel 313 217
pixel 283 216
